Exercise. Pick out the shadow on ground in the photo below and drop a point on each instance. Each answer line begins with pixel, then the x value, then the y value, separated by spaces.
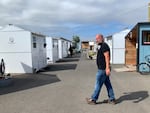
pixel 68 59
pixel 133 96
pixel 27 81
pixel 74 58
pixel 136 97
pixel 59 67
pixel 68 63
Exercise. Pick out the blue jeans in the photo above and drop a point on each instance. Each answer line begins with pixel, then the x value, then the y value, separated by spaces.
pixel 102 78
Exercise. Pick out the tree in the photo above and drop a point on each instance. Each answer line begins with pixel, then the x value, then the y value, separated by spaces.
pixel 76 40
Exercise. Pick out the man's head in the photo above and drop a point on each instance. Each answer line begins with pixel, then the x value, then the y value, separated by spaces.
pixel 99 38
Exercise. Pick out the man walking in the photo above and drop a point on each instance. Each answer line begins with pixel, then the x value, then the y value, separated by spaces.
pixel 103 73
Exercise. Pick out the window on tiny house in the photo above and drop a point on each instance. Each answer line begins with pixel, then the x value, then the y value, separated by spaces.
pixel 44 45
pixel 34 42
pixel 145 37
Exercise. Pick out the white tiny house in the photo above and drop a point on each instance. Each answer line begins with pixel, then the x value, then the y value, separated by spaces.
pixel 63 46
pixel 23 51
pixel 117 46
pixel 52 49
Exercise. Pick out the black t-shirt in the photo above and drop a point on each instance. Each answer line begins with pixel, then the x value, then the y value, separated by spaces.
pixel 102 48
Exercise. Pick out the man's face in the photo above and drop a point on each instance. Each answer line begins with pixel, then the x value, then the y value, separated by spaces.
pixel 99 38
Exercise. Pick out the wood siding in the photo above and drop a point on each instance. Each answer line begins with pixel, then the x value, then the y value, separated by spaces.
pixel 130 52
pixel 85 45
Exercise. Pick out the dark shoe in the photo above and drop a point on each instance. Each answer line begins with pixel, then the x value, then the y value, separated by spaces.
pixel 113 101
pixel 90 101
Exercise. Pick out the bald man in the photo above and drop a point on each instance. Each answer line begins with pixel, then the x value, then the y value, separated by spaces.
pixel 103 73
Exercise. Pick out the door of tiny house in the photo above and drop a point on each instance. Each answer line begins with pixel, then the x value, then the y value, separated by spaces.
pixel 144 42
pixel 38 51
pixel 52 49
pixel 55 50
pixel 64 48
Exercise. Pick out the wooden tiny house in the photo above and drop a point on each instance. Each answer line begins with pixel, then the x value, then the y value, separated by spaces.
pixel 130 47
pixel 137 44
pixel 85 45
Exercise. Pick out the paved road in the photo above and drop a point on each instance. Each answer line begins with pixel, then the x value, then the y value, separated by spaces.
pixel 63 87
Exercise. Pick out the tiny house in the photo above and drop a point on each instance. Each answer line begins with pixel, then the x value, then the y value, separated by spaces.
pixel 52 50
pixel 85 45
pixel 137 44
pixel 23 51
pixel 116 43
pixel 63 47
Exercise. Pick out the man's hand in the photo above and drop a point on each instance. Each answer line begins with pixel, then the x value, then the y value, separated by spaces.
pixel 108 71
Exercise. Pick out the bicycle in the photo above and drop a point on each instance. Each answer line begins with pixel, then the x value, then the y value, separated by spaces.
pixel 144 67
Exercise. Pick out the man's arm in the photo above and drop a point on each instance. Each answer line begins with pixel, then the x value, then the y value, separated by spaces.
pixel 107 60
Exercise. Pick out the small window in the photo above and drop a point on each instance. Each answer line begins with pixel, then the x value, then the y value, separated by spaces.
pixel 44 45
pixel 146 37
pixel 34 45
pixel 53 43
pixel 34 39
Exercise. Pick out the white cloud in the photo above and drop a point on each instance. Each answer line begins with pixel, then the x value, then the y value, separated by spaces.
pixel 65 13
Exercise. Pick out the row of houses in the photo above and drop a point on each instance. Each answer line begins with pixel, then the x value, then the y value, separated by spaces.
pixel 129 46
pixel 24 51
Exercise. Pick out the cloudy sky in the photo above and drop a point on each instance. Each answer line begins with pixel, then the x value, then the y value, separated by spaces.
pixel 65 18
